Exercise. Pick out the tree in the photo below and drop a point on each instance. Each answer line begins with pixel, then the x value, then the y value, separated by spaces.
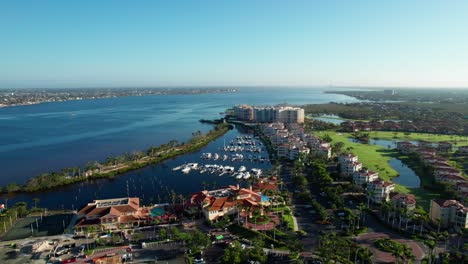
pixel 12 187
pixel 162 233
pixel 337 147
pixel 232 254
pixel 21 209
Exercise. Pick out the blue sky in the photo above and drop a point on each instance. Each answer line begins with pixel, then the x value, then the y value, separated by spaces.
pixel 233 43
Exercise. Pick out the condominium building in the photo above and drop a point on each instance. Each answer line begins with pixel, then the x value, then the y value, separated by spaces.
pixel 448 212
pixel 364 176
pixel 403 200
pixel 269 114
pixel 244 112
pixel 379 191
pixel 290 114
pixel 349 164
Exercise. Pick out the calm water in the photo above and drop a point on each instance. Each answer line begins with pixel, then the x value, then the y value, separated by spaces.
pixel 153 183
pixel 47 137
pixel 333 119
pixel 407 177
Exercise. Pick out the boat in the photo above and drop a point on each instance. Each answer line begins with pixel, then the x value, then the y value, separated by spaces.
pixel 225 157
pixel 186 170
pixel 216 156
pixel 206 155
pixel 192 165
pixel 228 169
pixel 242 168
pixel 178 168
pixel 246 175
pixel 256 172
pixel 240 176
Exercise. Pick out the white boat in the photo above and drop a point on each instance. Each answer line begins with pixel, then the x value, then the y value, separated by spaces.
pixel 225 157
pixel 178 168
pixel 216 156
pixel 192 165
pixel 228 169
pixel 203 171
pixel 186 170
pixel 246 175
pixel 242 168
pixel 256 172
pixel 206 155
pixel 240 176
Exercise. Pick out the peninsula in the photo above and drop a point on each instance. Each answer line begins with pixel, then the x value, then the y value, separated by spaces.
pixel 16 97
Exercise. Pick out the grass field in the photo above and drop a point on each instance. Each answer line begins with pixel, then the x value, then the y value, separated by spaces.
pixel 387 135
pixel 49 226
pixel 375 158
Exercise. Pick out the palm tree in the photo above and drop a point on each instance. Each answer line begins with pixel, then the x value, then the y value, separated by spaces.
pixel 369 194
pixel 173 198
pixel 431 245
pixel 385 208
pixel 361 208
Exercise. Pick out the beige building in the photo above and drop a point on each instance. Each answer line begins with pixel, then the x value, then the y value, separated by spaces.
pixel 364 176
pixel 448 212
pixel 403 200
pixel 379 191
pixel 269 114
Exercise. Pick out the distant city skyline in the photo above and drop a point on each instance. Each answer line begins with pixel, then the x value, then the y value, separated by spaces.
pixel 364 44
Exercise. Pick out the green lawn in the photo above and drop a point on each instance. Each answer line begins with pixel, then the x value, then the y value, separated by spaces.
pixel 387 135
pixel 373 157
pixel 376 158
pixel 289 220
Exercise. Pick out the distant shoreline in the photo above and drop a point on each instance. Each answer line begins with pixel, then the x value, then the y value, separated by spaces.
pixel 28 97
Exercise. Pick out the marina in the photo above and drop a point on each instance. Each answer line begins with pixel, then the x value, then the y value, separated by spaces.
pixel 220 170
pixel 153 184
pixel 242 146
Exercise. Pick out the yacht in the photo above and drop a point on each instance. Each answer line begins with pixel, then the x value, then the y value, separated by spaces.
pixel 178 167
pixel 242 168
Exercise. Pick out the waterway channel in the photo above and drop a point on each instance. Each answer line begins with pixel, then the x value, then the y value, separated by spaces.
pixel 153 184
pixel 407 177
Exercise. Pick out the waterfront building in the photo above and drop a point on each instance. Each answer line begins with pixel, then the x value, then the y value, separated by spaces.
pixel 118 213
pixel 226 201
pixel 448 212
pixel 110 214
pixel 269 114
pixel 378 191
pixel 244 112
pixel 290 114
pixel 444 146
pixel 405 147
pixel 266 114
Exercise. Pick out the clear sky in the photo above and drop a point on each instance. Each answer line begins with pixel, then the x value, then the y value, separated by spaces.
pixel 233 43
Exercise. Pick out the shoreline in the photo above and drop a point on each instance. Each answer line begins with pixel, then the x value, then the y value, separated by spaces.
pixel 50 181
pixel 116 96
